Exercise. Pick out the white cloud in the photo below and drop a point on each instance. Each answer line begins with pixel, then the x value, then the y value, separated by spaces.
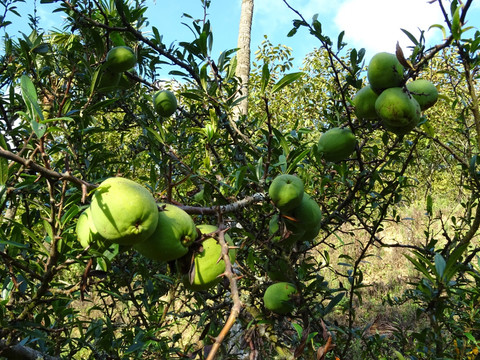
pixel 375 24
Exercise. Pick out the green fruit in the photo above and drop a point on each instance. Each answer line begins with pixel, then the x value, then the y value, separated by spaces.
pixel 398 110
pixel 108 81
pixel 278 297
pixel 208 263
pixel 306 217
pixel 364 102
pixel 286 191
pixel 424 92
pixel 123 211
pixel 120 59
pixel 384 71
pixel 165 103
pixel 174 233
pixel 336 144
pixel 87 233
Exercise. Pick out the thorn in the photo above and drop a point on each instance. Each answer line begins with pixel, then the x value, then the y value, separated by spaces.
pixel 222 275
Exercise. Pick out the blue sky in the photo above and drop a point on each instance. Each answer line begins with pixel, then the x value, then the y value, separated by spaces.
pixel 372 24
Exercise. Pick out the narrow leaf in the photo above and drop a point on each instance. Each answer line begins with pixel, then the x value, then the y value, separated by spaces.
pixel 333 303
pixel 3 163
pixel 410 36
pixel 440 265
pixel 286 80
pixel 265 77
pixel 456 26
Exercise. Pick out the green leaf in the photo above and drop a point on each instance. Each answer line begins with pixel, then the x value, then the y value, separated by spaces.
pixel 293 163
pixel 340 43
pixel 333 303
pixel 298 328
pixel 259 169
pixel 410 36
pixel 452 265
pixel 3 163
pixel 117 39
pixel 441 27
pixel 429 205
pixel 456 26
pixel 420 266
pixel 286 80
pixel 265 77
pixel 440 265
pixel 29 96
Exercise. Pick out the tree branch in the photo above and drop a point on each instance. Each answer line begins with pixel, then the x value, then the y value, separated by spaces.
pixel 214 210
pixel 50 174
pixel 22 352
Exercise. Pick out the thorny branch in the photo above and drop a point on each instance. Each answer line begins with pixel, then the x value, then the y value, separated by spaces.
pixel 237 304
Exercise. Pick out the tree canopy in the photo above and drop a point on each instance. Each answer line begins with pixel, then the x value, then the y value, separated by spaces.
pixel 398 210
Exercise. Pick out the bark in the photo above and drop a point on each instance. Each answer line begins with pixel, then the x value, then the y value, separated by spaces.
pixel 243 55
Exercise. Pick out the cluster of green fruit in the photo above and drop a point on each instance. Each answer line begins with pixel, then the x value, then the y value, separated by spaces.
pixel 387 98
pixel 301 216
pixel 112 76
pixel 299 210
pixel 124 212
pixel 119 59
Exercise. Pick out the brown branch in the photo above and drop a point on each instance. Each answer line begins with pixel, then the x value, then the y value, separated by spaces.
pixel 214 210
pixel 237 304
pixel 48 173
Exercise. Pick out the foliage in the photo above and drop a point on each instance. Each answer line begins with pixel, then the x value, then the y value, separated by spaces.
pixel 61 135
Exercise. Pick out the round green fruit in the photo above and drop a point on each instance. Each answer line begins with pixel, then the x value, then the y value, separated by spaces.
pixel 120 59
pixel 384 71
pixel 336 144
pixel 208 263
pixel 165 103
pixel 424 92
pixel 87 233
pixel 286 191
pixel 364 102
pixel 306 217
pixel 398 110
pixel 174 233
pixel 123 211
pixel 278 297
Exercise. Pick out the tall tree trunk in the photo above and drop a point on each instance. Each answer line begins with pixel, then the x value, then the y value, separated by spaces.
pixel 243 55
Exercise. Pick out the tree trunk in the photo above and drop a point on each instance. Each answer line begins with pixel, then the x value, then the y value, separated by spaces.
pixel 243 55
